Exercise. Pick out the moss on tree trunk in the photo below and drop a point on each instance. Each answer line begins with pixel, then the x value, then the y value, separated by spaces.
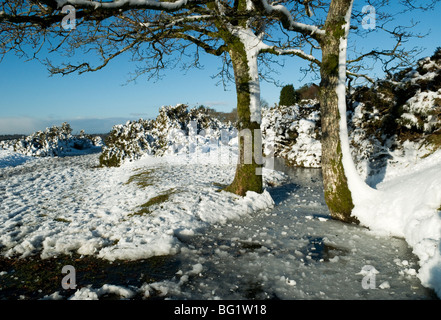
pixel 248 175
pixel 337 194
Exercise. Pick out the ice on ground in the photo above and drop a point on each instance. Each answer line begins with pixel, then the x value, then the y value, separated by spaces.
pixel 279 254
pixel 56 206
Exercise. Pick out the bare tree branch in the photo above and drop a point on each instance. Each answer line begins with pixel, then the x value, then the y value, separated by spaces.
pixel 281 13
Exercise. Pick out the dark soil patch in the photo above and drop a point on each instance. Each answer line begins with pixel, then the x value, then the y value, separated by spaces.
pixel 34 278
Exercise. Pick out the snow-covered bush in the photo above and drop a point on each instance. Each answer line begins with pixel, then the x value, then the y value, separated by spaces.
pixel 392 118
pixel 421 86
pixel 128 141
pixel 294 131
pixel 390 121
pixel 397 117
pixel 53 141
pixel 175 130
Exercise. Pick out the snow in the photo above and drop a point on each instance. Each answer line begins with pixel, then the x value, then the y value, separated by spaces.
pixel 253 45
pixel 279 126
pixel 306 142
pixel 69 205
pixel 175 131
pixel 63 205
pixel 294 251
pixel 51 206
pixel 11 159
pixel 53 141
pixel 421 105
pixel 406 205
pixel 423 101
pixel 88 293
pixel 292 23
pixel 122 3
pixel 359 189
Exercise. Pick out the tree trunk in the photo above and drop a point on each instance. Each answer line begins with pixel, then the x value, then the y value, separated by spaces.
pixel 248 175
pixel 337 193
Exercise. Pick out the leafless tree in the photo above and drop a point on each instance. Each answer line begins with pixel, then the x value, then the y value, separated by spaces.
pixel 326 27
pixel 158 35
pixel 238 31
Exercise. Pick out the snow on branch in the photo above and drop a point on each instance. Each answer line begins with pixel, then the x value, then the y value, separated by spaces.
pixel 293 52
pixel 189 19
pixel 120 4
pixel 282 13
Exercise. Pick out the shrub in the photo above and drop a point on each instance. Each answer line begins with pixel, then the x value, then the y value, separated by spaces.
pixel 53 141
pixel 288 96
pixel 173 131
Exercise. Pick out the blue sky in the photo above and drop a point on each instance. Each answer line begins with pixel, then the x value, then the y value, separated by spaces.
pixel 32 100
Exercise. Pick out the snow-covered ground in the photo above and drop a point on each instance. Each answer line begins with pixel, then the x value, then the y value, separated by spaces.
pixel 11 159
pixel 294 251
pixel 258 246
pixel 406 204
pixel 60 205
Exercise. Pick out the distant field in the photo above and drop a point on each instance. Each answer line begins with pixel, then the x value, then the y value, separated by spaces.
pixel 19 136
pixel 11 136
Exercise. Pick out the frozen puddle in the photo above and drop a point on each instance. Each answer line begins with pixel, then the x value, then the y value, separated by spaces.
pixel 295 252
pixel 207 248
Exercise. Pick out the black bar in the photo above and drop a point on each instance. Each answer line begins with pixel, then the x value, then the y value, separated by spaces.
pixel 217 309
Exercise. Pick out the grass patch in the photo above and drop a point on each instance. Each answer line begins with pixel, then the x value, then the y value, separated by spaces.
pixel 143 179
pixel 219 186
pixel 435 139
pixel 146 208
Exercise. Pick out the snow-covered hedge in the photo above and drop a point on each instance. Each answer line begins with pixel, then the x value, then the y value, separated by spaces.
pixel 294 132
pixel 391 120
pixel 397 118
pixel 53 141
pixel 175 130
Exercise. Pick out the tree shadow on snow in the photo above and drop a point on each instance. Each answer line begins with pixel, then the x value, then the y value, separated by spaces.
pixel 377 170
pixel 283 192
